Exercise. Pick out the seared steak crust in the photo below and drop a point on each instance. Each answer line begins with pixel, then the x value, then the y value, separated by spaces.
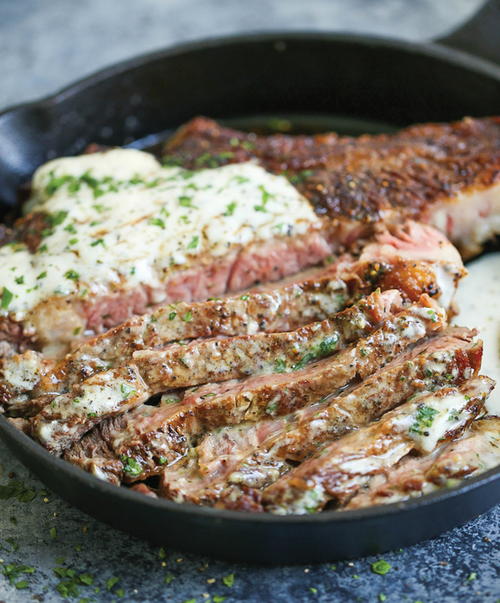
pixel 362 179
pixel 257 456
pixel 357 178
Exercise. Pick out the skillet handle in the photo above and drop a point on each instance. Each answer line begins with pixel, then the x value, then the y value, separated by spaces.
pixel 480 35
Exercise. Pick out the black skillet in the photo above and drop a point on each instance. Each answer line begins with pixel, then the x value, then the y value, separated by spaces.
pixel 332 81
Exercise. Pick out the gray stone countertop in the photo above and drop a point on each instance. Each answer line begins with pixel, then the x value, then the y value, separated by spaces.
pixel 48 549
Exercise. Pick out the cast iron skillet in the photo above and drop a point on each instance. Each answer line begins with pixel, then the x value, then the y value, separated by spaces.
pixel 373 83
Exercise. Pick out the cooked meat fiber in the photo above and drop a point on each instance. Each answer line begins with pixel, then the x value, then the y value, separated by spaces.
pixel 412 258
pixel 168 433
pixel 444 174
pixel 475 452
pixel 255 456
pixel 336 472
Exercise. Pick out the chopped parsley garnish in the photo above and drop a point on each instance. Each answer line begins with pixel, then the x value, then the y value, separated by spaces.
pixel 17 489
pixel 172 315
pixel 212 161
pixel 228 580
pixel 271 408
pixel 57 218
pixel 266 195
pixel 127 391
pixel 131 466
pixel 325 348
pixel 41 275
pixel 187 316
pixel 73 241
pixel 157 222
pixel 110 582
pixel 91 415
pixel 6 298
pixel 432 315
pixel 230 207
pixel 241 179
pixel 12 572
pixel 280 366
pixel 424 418
pixel 299 177
pixel 245 297
pixel 97 242
pixel 185 201
pixel 20 280
pixel 381 567
pixel 72 275
pixel 194 242
pixel 70 228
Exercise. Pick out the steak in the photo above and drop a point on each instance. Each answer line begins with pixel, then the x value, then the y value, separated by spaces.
pixel 412 258
pixel 337 471
pixel 168 433
pixel 255 456
pixel 84 266
pixel 201 362
pixel 476 451
pixel 447 175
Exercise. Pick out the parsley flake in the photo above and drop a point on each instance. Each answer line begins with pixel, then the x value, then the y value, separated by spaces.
pixel 381 567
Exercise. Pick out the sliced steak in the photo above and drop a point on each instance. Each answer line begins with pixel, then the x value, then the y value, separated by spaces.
pixel 168 433
pixel 445 174
pixel 475 452
pixel 229 462
pixel 412 258
pixel 337 471
pixel 221 359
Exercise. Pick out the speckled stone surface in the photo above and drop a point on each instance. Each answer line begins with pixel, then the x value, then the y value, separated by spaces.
pixel 45 45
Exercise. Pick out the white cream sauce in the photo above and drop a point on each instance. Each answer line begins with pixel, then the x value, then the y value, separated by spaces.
pixel 120 218
pixel 478 300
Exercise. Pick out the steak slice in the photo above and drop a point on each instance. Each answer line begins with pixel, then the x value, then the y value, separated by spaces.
pixel 229 462
pixel 170 432
pixel 71 415
pixel 447 175
pixel 221 359
pixel 338 471
pixel 475 452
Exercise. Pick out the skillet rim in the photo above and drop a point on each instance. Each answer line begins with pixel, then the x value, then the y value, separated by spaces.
pixel 11 434
pixel 428 48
